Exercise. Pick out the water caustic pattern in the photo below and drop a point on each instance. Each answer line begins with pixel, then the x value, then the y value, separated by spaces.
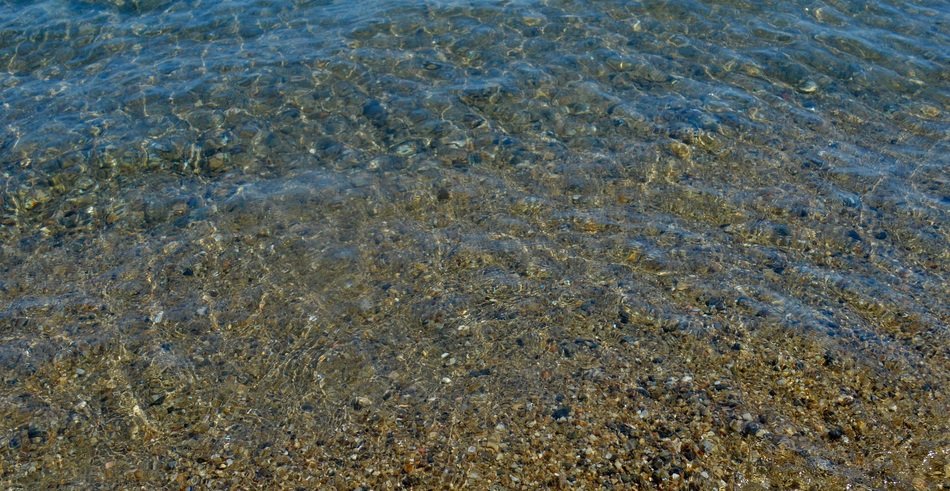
pixel 501 245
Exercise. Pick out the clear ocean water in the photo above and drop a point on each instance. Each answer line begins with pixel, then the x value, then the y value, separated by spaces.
pixel 474 244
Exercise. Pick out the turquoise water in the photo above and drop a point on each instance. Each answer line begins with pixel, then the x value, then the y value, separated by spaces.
pixel 440 244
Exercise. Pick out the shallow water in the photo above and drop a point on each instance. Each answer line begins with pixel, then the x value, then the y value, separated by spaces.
pixel 476 244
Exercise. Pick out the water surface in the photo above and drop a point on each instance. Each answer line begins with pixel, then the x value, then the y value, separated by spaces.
pixel 675 244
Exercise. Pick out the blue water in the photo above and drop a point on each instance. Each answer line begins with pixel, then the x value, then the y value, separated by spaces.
pixel 318 242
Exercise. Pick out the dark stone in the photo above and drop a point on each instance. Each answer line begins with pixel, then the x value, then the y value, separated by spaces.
pixel 716 303
pixel 813 162
pixel 835 434
pixel 33 432
pixel 853 235
pixel 689 453
pixel 484 372
pixel 375 112
pixel 566 350
pixel 562 412
pixel 623 429
pixel 751 428
pixel 590 343
pixel 442 194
